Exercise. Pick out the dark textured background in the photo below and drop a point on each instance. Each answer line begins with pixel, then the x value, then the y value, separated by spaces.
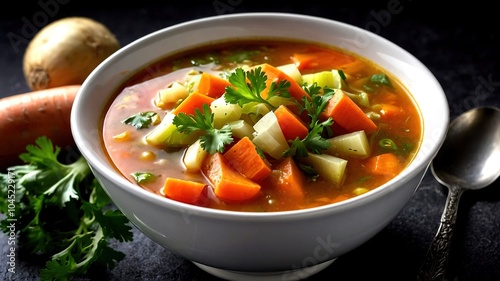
pixel 460 44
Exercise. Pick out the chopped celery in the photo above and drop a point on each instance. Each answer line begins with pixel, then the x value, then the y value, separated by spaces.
pixel 352 144
pixel 173 93
pixel 240 129
pixel 166 134
pixel 328 78
pixel 194 156
pixel 224 112
pixel 269 137
pixel 360 98
pixel 329 167
pixel 254 111
pixel 293 71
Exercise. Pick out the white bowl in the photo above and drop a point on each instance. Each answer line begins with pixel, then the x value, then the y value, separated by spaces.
pixel 286 245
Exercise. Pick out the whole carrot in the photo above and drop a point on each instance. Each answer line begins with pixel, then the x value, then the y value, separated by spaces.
pixel 27 116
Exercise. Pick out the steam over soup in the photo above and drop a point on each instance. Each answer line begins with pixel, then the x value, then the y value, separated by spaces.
pixel 262 125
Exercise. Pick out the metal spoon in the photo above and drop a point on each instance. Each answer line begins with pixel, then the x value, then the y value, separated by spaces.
pixel 468 159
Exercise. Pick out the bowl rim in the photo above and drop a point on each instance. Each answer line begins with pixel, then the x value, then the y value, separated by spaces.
pixel 113 175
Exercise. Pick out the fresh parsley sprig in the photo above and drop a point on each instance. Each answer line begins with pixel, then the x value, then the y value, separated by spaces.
pixel 213 140
pixel 62 213
pixel 314 141
pixel 247 87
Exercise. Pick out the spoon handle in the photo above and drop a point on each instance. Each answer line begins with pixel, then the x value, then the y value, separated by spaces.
pixel 436 259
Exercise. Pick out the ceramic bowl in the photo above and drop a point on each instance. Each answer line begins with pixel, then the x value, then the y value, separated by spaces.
pixel 286 245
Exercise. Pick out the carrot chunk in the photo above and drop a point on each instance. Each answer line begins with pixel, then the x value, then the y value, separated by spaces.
pixel 228 183
pixel 212 85
pixel 194 101
pixel 291 179
pixel 291 125
pixel 386 164
pixel 183 190
pixel 320 59
pixel 244 158
pixel 347 114
pixel 276 75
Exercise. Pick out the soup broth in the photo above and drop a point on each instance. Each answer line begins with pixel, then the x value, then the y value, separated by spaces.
pixel 367 155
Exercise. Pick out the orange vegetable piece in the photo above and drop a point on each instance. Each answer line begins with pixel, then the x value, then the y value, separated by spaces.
pixel 212 85
pixel 244 158
pixel 389 111
pixel 276 75
pixel 183 190
pixel 386 164
pixel 228 183
pixel 194 101
pixel 291 179
pixel 347 114
pixel 291 125
pixel 319 58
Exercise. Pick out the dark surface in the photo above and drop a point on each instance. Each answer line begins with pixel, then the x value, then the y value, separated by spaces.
pixel 459 44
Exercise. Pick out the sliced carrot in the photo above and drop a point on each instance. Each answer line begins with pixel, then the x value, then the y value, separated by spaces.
pixel 244 158
pixel 347 114
pixel 228 183
pixel 27 116
pixel 386 164
pixel 194 101
pixel 319 58
pixel 291 179
pixel 291 125
pixel 212 85
pixel 183 190
pixel 276 75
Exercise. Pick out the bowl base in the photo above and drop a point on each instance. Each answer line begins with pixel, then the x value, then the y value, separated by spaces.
pixel 286 275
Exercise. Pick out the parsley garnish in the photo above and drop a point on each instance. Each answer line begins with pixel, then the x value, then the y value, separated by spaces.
pixel 213 140
pixel 61 213
pixel 314 141
pixel 242 92
pixel 143 177
pixel 141 120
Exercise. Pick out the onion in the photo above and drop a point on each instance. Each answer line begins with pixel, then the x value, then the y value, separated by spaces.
pixel 66 51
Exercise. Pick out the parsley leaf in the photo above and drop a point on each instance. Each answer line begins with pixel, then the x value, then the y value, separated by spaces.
pixel 247 87
pixel 141 120
pixel 47 189
pixel 313 142
pixel 142 177
pixel 213 140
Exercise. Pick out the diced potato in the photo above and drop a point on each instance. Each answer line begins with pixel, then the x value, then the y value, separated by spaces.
pixel 293 71
pixel 269 137
pixel 352 144
pixel 329 167
pixel 173 93
pixel 241 129
pixel 224 112
pixel 193 158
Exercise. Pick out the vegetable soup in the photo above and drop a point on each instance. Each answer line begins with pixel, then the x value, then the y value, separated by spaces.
pixel 262 125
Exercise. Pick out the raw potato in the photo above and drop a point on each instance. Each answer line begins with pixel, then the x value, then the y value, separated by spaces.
pixel 66 51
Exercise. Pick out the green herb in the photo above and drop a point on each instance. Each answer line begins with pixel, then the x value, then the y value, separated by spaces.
pixel 387 144
pixel 243 92
pixel 213 140
pixel 380 79
pixel 143 177
pixel 314 141
pixel 141 120
pixel 61 212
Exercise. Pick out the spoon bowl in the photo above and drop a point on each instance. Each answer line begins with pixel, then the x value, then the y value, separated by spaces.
pixel 468 160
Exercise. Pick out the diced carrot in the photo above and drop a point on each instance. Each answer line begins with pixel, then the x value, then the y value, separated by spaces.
pixel 194 101
pixel 244 158
pixel 228 183
pixel 291 125
pixel 291 179
pixel 212 85
pixel 347 114
pixel 386 164
pixel 276 75
pixel 183 190
pixel 319 58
